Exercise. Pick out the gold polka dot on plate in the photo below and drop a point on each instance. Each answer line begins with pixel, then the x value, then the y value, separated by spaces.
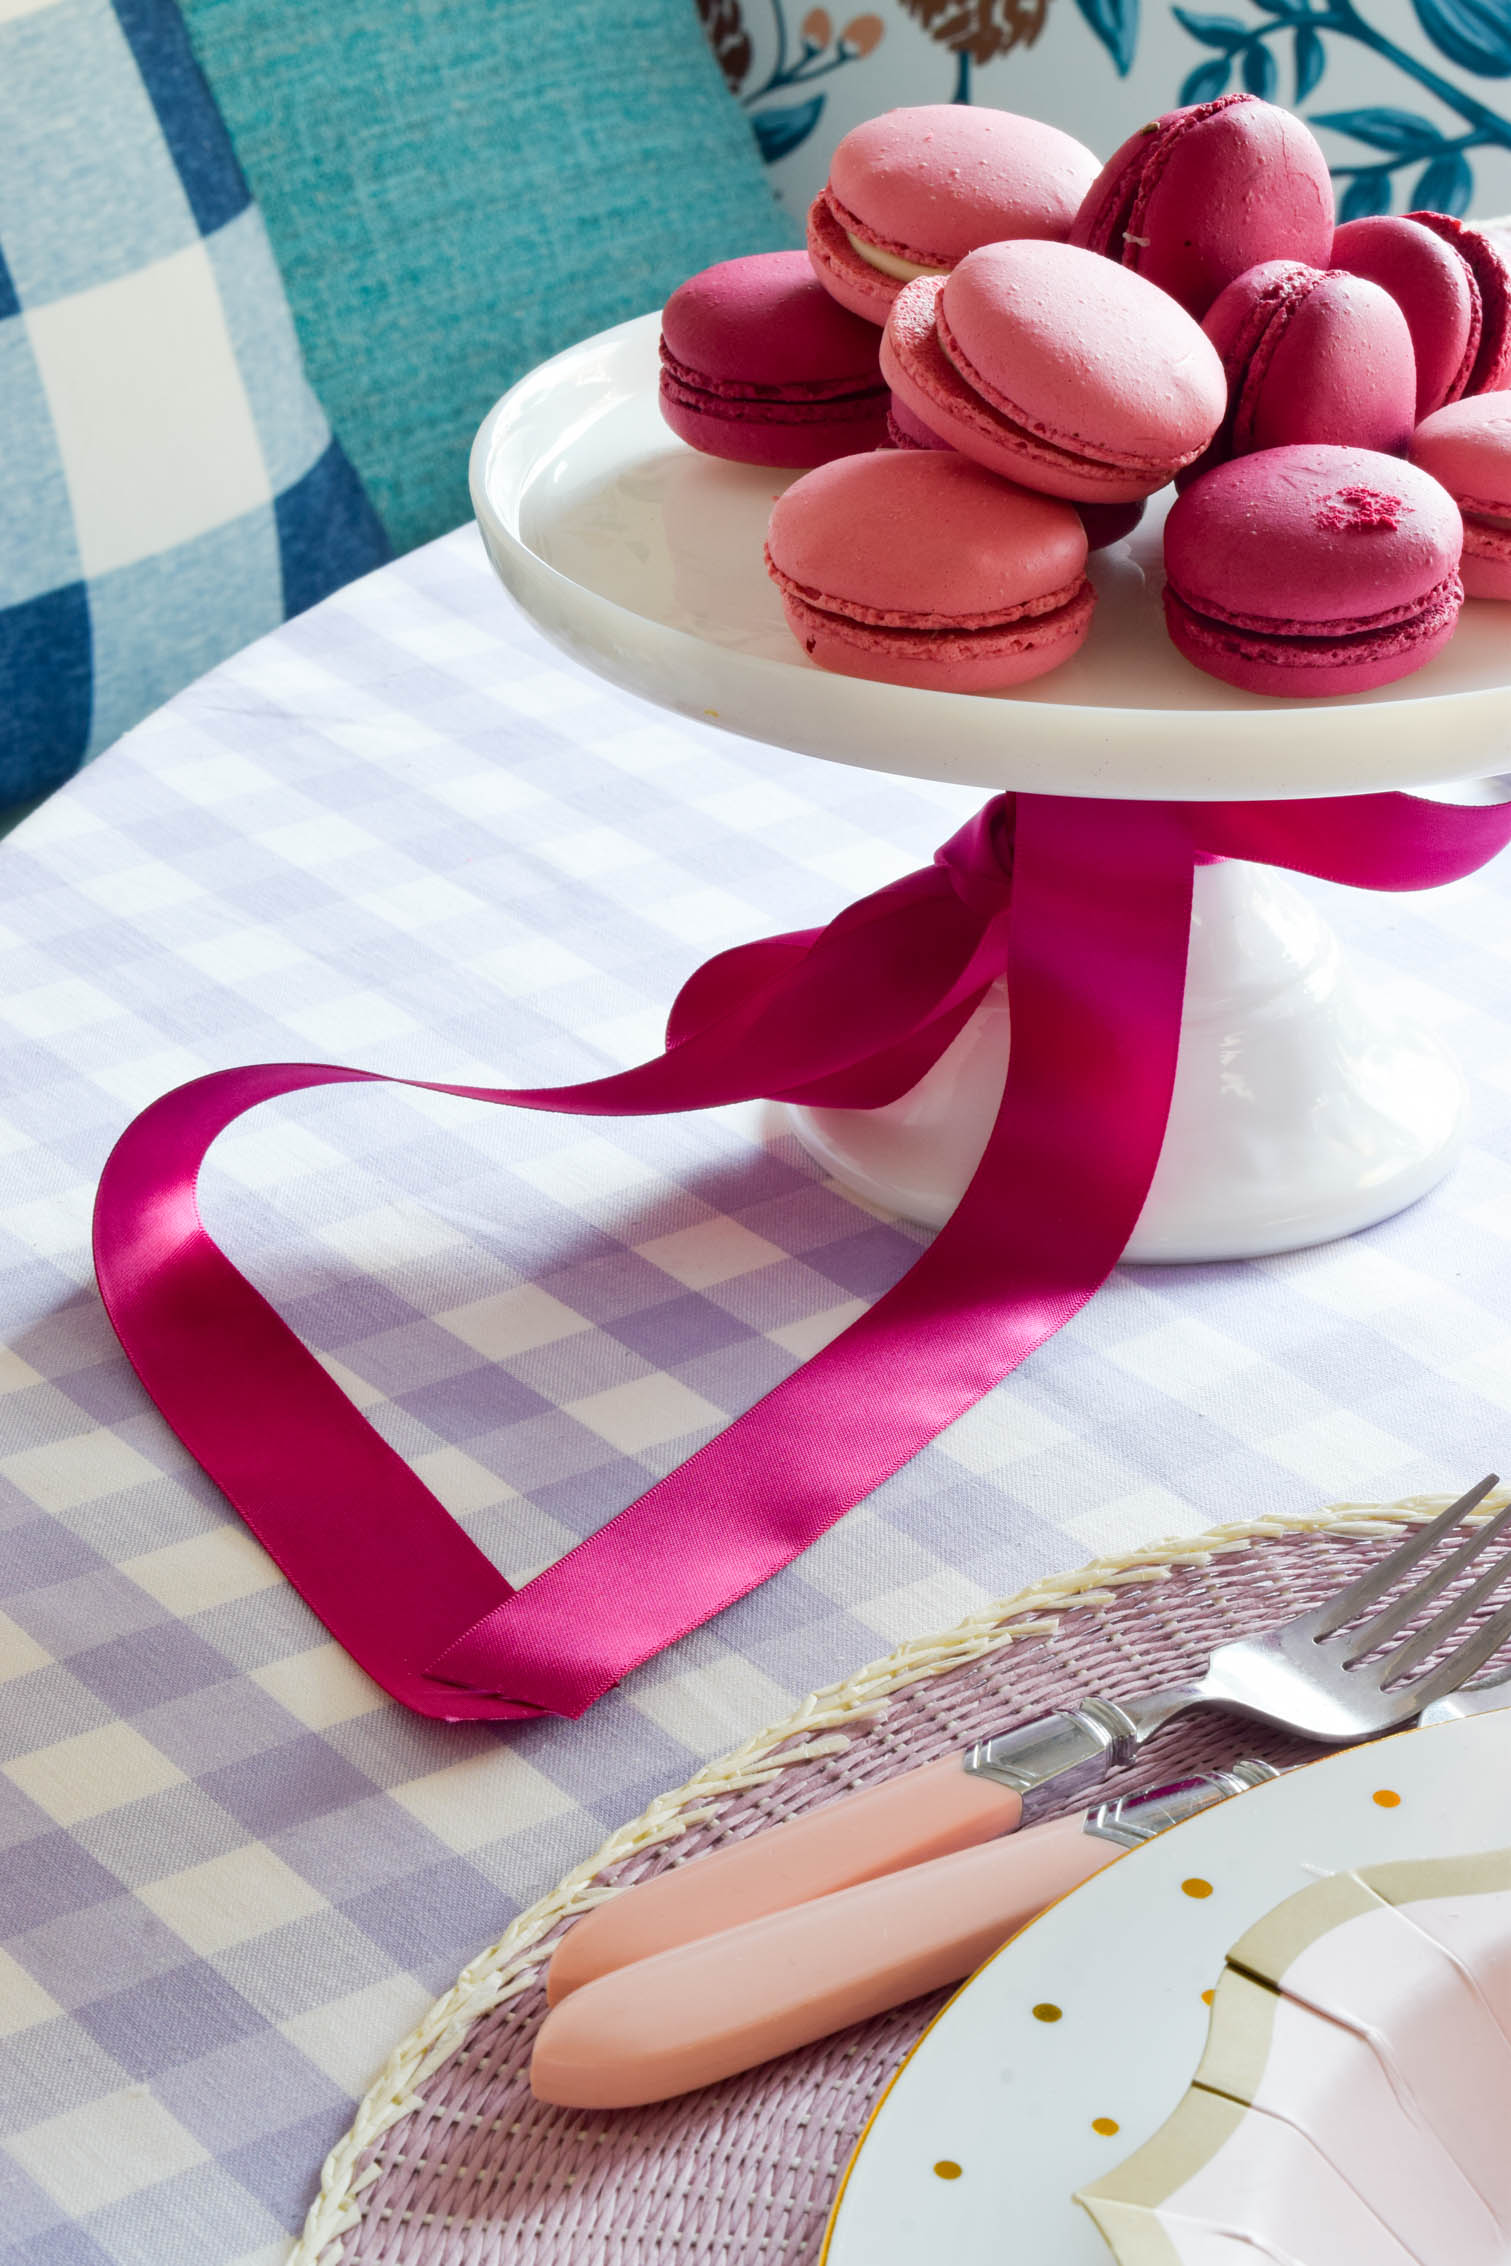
pixel 1106 2126
pixel 1387 1798
pixel 1207 1997
pixel 1197 1888
pixel 1046 2012
pixel 944 2169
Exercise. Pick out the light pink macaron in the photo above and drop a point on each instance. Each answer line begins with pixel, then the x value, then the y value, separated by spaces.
pixel 1057 369
pixel 911 192
pixel 915 567
pixel 1311 571
pixel 1467 446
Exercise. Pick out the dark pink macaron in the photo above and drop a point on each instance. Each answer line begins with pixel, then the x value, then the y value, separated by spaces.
pixel 1193 199
pixel 761 365
pixel 1435 289
pixel 1311 355
pixel 1312 570
pixel 1056 369
pixel 911 192
pixel 1467 446
pixel 915 567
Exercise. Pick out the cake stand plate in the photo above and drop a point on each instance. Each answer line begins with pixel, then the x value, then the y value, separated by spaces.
pixel 1303 1107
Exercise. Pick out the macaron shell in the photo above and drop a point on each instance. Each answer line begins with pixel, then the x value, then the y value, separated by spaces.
pixel 962 661
pixel 1312 540
pixel 1435 289
pixel 1487 562
pixel 750 325
pixel 922 539
pixel 932 182
pixel 795 438
pixel 1313 356
pixel 1085 355
pixel 1492 273
pixel 1178 202
pixel 1467 446
pixel 921 377
pixel 1310 668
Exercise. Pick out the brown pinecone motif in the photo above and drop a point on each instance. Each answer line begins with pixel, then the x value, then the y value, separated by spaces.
pixel 724 26
pixel 982 29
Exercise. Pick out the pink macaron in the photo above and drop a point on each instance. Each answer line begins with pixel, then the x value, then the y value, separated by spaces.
pixel 1203 193
pixel 1057 369
pixel 1104 523
pixel 1311 355
pixel 1452 284
pixel 915 567
pixel 911 192
pixel 761 365
pixel 1467 446
pixel 1312 570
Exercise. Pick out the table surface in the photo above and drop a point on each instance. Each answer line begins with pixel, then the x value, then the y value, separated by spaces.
pixel 403 832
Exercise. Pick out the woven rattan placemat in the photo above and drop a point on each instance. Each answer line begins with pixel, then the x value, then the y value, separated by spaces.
pixel 452 2162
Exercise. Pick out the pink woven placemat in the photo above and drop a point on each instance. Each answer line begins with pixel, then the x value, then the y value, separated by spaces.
pixel 452 2162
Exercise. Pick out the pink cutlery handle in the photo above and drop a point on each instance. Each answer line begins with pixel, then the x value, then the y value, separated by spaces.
pixel 711 2008
pixel 922 1814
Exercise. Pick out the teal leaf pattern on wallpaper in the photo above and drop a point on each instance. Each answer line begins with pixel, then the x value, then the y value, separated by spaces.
pixel 1475 34
pixel 1116 24
pixel 815 51
pixel 1281 50
pixel 1418 160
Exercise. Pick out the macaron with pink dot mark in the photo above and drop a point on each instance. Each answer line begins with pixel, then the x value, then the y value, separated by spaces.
pixel 1310 571
pixel 916 567
pixel 911 192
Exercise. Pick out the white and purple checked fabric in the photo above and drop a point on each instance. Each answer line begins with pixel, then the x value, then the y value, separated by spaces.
pixel 403 832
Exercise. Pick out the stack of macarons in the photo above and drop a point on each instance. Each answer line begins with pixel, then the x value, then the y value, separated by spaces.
pixel 996 349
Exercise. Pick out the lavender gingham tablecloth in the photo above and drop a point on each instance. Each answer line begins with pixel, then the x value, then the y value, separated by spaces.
pixel 403 832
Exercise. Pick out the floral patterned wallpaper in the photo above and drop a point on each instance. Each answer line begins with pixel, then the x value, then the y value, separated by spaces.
pixel 1406 96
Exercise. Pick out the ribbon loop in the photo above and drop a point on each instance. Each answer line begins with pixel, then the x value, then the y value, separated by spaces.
pixel 1085 905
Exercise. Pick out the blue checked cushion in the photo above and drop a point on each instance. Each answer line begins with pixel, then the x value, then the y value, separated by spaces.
pixel 457 188
pixel 169 486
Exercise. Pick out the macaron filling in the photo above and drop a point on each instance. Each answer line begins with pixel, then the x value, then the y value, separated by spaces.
pixel 1249 637
pixel 1071 598
pixel 796 402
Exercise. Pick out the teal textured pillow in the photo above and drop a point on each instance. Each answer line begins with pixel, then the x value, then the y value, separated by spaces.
pixel 456 188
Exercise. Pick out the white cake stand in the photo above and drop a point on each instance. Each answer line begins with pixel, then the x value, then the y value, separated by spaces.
pixel 1303 1108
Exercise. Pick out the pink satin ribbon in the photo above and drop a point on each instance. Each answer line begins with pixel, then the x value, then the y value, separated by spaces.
pixel 1084 905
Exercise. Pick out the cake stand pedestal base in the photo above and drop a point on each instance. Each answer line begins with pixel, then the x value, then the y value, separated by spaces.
pixel 1304 1107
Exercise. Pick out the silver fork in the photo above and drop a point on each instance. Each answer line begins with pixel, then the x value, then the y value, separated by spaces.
pixel 1312 1676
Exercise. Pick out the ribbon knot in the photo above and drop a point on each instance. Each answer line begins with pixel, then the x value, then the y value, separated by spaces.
pixel 978 859
pixel 1084 904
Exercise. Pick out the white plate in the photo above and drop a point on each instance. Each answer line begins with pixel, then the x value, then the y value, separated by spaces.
pixel 643 559
pixel 975 2152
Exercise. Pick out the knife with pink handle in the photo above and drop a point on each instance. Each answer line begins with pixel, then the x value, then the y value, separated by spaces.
pixel 720 2002
pixel 934 1811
